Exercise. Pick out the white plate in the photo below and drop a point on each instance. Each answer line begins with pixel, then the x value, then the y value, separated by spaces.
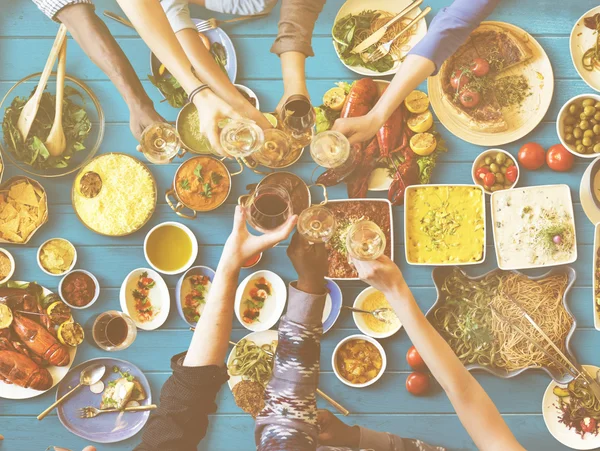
pixel 559 431
pixel 159 297
pixel 273 306
pixel 392 6
pixel 359 317
pixel 538 72
pixel 589 206
pixel 568 202
pixel 582 38
pixel 259 338
pixel 11 391
pixel 416 187
pixel 596 281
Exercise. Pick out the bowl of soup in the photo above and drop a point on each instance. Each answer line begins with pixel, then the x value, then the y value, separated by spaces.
pixel 200 184
pixel 170 248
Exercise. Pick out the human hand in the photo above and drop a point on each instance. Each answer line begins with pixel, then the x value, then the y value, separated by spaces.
pixel 382 274
pixel 141 117
pixel 56 448
pixel 211 110
pixel 310 262
pixel 297 89
pixel 334 432
pixel 241 244
pixel 358 129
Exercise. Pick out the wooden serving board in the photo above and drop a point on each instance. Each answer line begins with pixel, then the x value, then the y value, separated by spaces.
pixel 521 120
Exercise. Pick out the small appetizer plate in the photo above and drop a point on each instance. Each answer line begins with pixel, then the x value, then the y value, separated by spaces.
pixel 365 338
pixel 272 307
pixel 108 427
pixel 184 286
pixel 586 192
pixel 582 39
pixel 551 414
pixel 359 318
pixel 260 339
pixel 158 295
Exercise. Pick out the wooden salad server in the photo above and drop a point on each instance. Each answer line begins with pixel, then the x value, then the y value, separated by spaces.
pixel 30 109
pixel 56 142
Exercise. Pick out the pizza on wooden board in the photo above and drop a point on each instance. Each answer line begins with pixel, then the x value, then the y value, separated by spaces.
pixel 502 50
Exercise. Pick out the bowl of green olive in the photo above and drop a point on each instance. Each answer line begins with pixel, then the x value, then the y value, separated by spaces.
pixel 578 125
pixel 495 170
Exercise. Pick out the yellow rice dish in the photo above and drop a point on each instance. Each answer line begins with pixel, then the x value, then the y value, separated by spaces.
pixel 114 194
pixel 445 224
pixel 375 301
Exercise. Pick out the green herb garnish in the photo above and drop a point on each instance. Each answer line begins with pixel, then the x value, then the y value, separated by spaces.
pixel 216 178
pixel 198 172
pixel 185 184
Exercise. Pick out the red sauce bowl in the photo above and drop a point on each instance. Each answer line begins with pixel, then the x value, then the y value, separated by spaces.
pixel 73 284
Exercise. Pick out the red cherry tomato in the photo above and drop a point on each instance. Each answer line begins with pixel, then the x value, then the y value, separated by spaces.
pixel 470 99
pixel 415 360
pixel 480 173
pixel 559 159
pixel 417 383
pixel 588 424
pixel 532 156
pixel 511 174
pixel 459 79
pixel 489 179
pixel 480 67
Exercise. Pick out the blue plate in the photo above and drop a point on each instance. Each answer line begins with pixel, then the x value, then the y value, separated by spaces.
pixel 335 295
pixel 107 427
pixel 193 271
pixel 218 35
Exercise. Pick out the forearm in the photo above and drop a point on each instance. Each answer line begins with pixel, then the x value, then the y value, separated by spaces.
pixel 293 72
pixel 152 25
pixel 475 409
pixel 413 71
pixel 93 36
pixel 210 341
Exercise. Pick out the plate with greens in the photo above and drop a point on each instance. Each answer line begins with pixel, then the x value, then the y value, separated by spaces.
pixel 358 19
pixel 217 42
pixel 83 125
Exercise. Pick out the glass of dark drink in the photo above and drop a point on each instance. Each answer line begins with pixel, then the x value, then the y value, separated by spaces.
pixel 298 118
pixel 268 207
pixel 114 331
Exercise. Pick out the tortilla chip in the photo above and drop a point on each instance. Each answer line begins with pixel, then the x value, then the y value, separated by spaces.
pixel 11 226
pixel 8 212
pixel 57 256
pixel 24 193
pixel 28 229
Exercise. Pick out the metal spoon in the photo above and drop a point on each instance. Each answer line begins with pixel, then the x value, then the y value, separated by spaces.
pixel 379 314
pixel 89 376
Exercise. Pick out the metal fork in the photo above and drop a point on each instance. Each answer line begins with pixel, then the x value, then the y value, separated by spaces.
pixel 383 49
pixel 91 412
pixel 211 24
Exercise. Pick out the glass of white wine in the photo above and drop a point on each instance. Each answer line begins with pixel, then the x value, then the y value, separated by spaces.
pixel 365 241
pixel 160 143
pixel 241 138
pixel 317 224
pixel 330 149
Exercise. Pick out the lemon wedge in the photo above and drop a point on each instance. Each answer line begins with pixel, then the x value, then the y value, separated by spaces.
pixel 417 102
pixel 6 316
pixel 421 122
pixel 70 334
pixel 271 118
pixel 334 98
pixel 423 144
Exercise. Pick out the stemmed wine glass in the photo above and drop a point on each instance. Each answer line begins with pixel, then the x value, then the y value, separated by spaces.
pixel 365 241
pixel 268 207
pixel 241 138
pixel 275 149
pixel 160 143
pixel 330 149
pixel 317 224
pixel 298 118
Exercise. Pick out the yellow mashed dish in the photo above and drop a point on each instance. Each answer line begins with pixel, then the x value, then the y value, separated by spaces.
pixel 374 301
pixel 445 224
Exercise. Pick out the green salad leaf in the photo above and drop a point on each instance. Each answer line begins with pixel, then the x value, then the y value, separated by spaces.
pixel 219 54
pixel 170 88
pixel 33 152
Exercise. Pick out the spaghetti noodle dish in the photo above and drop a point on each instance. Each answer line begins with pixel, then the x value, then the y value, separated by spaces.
pixel 352 29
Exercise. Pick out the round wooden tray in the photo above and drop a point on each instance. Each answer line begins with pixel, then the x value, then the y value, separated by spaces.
pixel 521 121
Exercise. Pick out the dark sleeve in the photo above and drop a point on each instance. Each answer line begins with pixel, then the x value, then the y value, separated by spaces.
pixel 186 400
pixel 296 24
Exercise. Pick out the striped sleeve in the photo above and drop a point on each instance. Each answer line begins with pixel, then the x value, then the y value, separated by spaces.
pixel 51 7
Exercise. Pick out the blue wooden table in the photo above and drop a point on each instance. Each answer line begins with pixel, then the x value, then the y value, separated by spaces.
pixel 26 37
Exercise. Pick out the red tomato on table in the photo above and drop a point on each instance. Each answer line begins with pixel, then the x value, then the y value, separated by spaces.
pixel 532 156
pixel 415 360
pixel 417 383
pixel 559 159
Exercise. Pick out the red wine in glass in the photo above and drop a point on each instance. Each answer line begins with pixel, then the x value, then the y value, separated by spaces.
pixel 269 207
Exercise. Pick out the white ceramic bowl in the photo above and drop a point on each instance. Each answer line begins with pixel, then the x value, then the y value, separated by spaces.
pixel 370 340
pixel 62 273
pixel 249 92
pixel 479 160
pixel 12 264
pixel 560 126
pixel 194 247
pixel 96 284
pixel 273 306
pixel 359 318
pixel 159 297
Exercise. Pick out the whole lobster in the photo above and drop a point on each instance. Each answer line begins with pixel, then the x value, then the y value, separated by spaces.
pixel 40 341
pixel 358 185
pixel 16 368
pixel 406 174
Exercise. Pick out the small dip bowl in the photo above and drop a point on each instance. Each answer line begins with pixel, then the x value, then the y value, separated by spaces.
pixel 252 261
pixel 367 339
pixel 194 243
pixel 248 93
pixel 96 287
pixel 12 265
pixel 39 260
pixel 480 161
pixel 360 318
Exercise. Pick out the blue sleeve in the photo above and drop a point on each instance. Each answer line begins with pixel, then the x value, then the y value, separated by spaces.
pixel 451 27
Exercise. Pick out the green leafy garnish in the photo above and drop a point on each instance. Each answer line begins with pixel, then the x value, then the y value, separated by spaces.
pixel 219 54
pixel 216 178
pixel 170 88
pixel 185 184
pixel 198 172
pixel 207 190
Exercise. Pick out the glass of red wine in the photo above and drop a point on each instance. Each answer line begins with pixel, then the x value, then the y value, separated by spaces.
pixel 298 118
pixel 268 207
pixel 114 331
